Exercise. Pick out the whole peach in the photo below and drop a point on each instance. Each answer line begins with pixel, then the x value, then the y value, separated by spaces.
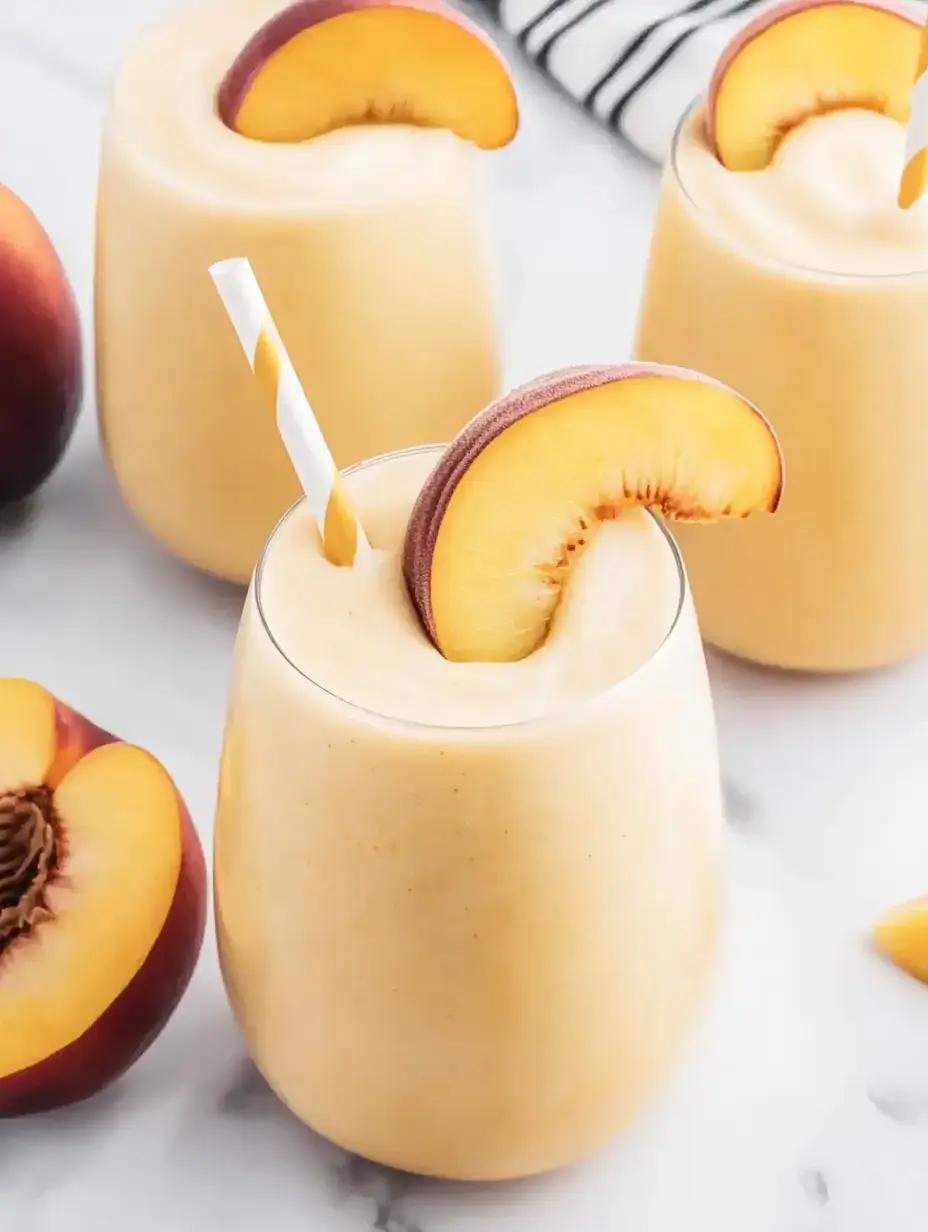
pixel 41 376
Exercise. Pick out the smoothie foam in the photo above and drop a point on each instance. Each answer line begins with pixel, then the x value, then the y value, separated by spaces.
pixel 827 201
pixel 354 631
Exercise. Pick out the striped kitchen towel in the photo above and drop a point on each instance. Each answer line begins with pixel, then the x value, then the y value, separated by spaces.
pixel 635 65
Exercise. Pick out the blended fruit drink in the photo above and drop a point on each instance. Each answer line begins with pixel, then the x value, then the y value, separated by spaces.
pixel 782 265
pixel 468 832
pixel 245 129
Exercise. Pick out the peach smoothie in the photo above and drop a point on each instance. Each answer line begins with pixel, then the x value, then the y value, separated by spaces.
pixel 466 887
pixel 367 239
pixel 781 264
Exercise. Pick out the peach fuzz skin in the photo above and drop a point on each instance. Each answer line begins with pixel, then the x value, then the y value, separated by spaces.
pixel 40 353
pixel 304 14
pixel 760 25
pixel 105 1049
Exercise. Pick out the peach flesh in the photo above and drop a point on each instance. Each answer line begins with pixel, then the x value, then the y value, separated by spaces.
pixel 902 937
pixel 728 490
pixel 492 130
pixel 822 94
pixel 138 1015
pixel 90 1058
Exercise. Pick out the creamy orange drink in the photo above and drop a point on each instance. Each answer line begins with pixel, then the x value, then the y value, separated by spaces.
pixel 335 145
pixel 782 265
pixel 468 832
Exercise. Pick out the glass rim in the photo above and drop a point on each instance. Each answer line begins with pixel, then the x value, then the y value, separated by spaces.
pixel 537 723
pixel 697 103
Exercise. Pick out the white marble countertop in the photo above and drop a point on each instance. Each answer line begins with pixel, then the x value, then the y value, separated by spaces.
pixel 803 1103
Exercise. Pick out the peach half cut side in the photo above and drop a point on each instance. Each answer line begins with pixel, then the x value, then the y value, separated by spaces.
pixel 319 65
pixel 805 58
pixel 102 902
pixel 518 494
pixel 902 936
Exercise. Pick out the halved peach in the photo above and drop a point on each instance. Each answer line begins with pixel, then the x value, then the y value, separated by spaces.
pixel 102 902
pixel 804 58
pixel 324 64
pixel 902 935
pixel 517 495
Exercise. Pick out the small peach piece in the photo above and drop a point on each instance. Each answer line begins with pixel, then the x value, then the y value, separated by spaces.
pixel 519 492
pixel 804 58
pixel 902 935
pixel 102 902
pixel 324 64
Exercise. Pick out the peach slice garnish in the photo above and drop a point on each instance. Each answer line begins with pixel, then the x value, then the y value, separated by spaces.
pixel 518 494
pixel 805 58
pixel 902 935
pixel 319 65
pixel 102 901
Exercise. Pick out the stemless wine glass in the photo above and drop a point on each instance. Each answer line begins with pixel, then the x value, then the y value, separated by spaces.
pixel 468 952
pixel 838 580
pixel 369 246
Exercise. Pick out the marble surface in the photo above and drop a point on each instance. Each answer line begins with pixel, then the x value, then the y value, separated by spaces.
pixel 802 1105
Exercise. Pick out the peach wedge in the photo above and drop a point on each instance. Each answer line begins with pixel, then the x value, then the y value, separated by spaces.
pixel 319 65
pixel 102 902
pixel 804 58
pixel 518 494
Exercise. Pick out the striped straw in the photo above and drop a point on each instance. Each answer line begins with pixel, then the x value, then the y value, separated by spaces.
pixel 343 539
pixel 915 172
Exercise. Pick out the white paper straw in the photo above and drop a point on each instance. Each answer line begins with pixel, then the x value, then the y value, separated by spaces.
pixel 343 538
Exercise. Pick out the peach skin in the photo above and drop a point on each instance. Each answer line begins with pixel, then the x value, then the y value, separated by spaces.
pixel 40 353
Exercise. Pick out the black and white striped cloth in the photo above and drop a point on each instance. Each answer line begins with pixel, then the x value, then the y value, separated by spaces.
pixel 635 65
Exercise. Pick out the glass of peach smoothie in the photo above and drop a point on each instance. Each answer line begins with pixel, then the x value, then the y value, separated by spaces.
pixel 782 265
pixel 335 145
pixel 468 833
